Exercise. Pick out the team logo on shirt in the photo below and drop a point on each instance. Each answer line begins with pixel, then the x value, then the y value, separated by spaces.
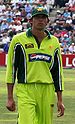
pixel 51 47
pixel 29 45
pixel 39 57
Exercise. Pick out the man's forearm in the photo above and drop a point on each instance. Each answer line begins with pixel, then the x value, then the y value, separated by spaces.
pixel 10 101
pixel 60 104
pixel 59 96
pixel 10 90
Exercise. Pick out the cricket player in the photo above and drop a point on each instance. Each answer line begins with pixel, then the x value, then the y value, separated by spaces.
pixel 34 60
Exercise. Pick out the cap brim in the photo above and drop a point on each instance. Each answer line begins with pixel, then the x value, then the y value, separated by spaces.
pixel 39 14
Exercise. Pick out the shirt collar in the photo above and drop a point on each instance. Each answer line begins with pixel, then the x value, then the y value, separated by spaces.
pixel 29 33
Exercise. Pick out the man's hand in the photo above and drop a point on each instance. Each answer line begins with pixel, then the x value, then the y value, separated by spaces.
pixel 10 100
pixel 11 105
pixel 61 109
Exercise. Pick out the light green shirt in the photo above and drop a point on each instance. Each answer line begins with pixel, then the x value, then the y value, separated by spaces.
pixel 33 64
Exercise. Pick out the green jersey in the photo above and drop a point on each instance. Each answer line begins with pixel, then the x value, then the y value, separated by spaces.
pixel 31 62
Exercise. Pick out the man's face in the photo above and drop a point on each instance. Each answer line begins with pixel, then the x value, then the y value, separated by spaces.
pixel 39 22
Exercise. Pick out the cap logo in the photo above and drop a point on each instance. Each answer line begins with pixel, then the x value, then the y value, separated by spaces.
pixel 40 9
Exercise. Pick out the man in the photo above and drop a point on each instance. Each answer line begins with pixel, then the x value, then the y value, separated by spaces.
pixel 34 58
pixel 28 8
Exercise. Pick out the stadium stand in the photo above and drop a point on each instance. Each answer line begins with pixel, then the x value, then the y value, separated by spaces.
pixel 14 18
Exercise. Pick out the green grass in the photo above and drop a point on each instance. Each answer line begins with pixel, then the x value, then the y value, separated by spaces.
pixel 68 98
pixel 7 117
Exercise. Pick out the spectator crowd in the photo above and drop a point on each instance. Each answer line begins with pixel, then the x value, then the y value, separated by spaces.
pixel 15 16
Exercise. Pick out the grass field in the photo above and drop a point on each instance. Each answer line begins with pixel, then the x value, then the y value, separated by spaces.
pixel 7 117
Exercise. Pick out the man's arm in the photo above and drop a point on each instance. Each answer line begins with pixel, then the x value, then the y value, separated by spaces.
pixel 10 100
pixel 57 74
pixel 60 104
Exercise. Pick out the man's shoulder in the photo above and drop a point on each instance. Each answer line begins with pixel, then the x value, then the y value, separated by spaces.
pixel 20 34
pixel 55 40
pixel 19 37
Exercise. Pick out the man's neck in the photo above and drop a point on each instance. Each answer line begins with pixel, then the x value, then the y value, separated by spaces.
pixel 40 35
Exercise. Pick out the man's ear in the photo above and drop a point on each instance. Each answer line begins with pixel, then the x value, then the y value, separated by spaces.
pixel 48 20
pixel 30 21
